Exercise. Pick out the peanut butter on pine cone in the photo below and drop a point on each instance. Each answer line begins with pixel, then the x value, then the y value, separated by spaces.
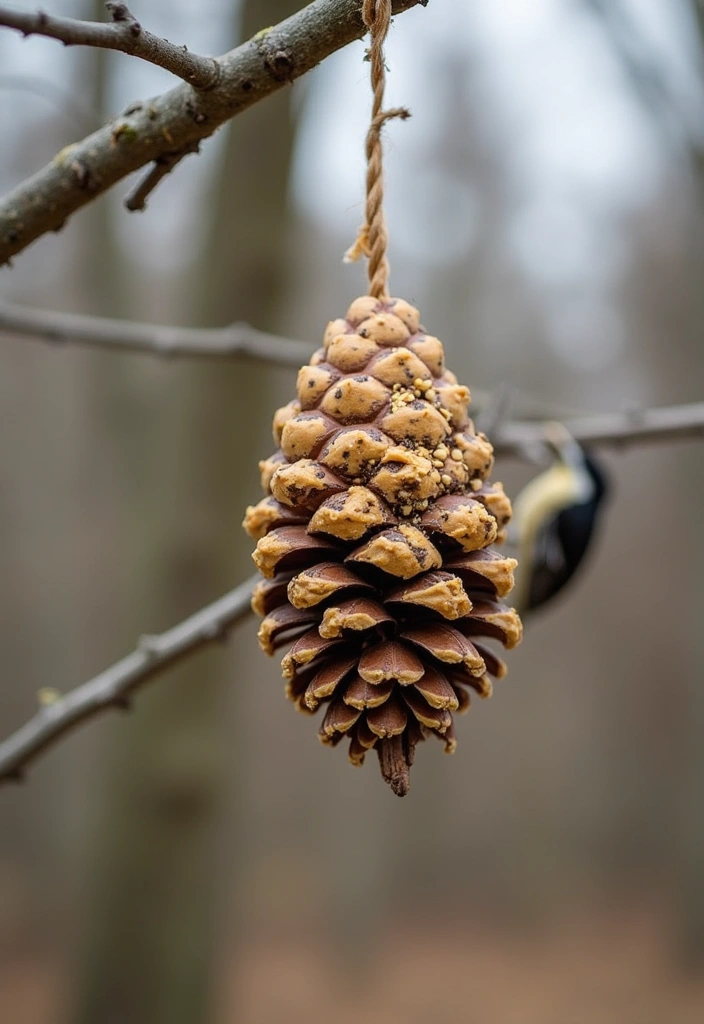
pixel 375 541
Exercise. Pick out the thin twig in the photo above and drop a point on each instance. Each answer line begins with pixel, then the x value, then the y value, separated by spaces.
pixel 137 198
pixel 169 123
pixel 619 429
pixel 124 33
pixel 154 339
pixel 113 687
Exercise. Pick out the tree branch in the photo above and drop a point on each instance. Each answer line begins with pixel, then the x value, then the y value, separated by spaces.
pixel 170 123
pixel 124 34
pixel 113 687
pixel 154 339
pixel 619 429
pixel 163 165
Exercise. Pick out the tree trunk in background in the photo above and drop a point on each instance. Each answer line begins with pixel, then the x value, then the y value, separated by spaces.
pixel 186 468
pixel 689 740
pixel 690 838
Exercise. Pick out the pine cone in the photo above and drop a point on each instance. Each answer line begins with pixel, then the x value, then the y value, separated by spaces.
pixel 375 537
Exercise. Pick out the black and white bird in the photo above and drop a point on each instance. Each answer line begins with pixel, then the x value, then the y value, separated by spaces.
pixel 554 518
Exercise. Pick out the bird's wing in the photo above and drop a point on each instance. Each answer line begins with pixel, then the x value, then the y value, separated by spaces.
pixel 549 567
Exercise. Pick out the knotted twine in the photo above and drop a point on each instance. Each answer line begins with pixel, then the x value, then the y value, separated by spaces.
pixel 372 240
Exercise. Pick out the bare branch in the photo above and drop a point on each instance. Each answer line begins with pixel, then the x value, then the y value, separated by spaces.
pixel 114 687
pixel 137 199
pixel 634 426
pixel 168 124
pixel 124 34
pixel 153 339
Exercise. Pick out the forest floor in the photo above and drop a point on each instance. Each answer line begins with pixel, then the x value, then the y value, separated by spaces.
pixel 610 967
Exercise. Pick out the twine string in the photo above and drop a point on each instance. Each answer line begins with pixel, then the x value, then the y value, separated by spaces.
pixel 372 240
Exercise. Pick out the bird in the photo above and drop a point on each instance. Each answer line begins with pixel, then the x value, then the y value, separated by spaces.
pixel 554 520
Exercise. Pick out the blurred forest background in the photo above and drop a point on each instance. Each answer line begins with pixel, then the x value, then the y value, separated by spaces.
pixel 204 858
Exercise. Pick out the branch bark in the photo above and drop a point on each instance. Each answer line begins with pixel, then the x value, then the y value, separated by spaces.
pixel 124 33
pixel 620 429
pixel 168 125
pixel 237 339
pixel 114 687
pixel 137 199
